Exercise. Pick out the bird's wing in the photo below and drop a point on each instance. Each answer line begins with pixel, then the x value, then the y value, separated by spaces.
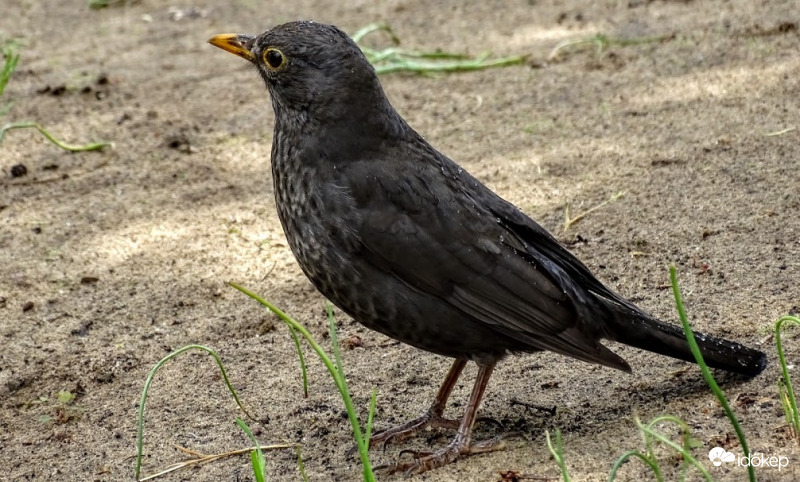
pixel 535 236
pixel 438 238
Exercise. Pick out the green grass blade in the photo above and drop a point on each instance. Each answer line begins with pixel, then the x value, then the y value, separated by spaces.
pixel 557 450
pixel 258 467
pixel 635 453
pixel 395 59
pixel 98 4
pixel 337 354
pixel 370 415
pixel 375 27
pixel 9 65
pixel 339 380
pixel 302 361
pixel 787 391
pixel 300 465
pixel 686 435
pixel 419 67
pixel 149 380
pixel 681 449
pixel 92 146
pixel 256 456
pixel 709 378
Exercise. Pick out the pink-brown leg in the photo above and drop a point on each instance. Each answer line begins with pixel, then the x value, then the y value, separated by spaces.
pixel 462 443
pixel 433 417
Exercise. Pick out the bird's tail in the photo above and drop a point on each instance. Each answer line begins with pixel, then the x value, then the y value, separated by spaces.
pixel 635 328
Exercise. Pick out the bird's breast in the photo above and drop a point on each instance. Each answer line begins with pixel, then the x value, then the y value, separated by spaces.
pixel 319 220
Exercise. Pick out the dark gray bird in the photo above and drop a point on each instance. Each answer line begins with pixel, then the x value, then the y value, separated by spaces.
pixel 408 243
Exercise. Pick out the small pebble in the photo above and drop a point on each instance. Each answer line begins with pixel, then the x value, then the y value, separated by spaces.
pixel 19 170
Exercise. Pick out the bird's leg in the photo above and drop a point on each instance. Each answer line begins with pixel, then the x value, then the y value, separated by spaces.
pixel 431 418
pixel 462 443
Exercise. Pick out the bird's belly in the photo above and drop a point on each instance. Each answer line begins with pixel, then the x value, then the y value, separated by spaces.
pixel 382 302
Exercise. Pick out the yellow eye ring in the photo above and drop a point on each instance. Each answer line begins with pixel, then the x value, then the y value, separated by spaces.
pixel 274 59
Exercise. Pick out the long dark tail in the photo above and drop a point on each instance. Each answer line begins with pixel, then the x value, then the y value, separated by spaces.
pixel 636 329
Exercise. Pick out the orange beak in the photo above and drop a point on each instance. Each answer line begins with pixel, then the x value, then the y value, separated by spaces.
pixel 233 43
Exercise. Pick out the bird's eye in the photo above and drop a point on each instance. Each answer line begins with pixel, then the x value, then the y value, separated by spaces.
pixel 274 59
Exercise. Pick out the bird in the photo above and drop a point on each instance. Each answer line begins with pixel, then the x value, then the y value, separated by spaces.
pixel 408 243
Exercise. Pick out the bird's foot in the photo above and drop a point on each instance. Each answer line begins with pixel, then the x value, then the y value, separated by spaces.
pixel 423 461
pixel 411 428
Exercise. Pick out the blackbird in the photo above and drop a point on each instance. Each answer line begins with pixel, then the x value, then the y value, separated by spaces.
pixel 409 244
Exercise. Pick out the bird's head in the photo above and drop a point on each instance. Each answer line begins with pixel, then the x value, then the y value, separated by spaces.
pixel 311 69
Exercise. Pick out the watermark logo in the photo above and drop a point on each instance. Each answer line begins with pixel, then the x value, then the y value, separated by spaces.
pixel 719 455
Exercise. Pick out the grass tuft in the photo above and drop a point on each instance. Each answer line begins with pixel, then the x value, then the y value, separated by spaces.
pixel 92 146
pixel 556 448
pixel 395 59
pixel 709 378
pixel 336 370
pixel 569 221
pixel 256 456
pixel 601 42
pixel 787 395
pixel 149 380
pixel 11 55
pixel 648 456
pixel 98 4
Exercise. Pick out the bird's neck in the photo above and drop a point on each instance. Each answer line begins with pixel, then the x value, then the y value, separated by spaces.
pixel 320 135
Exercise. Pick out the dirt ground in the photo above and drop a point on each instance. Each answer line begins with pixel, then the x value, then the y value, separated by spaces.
pixel 110 260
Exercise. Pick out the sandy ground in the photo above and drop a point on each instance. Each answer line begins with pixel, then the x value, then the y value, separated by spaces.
pixel 110 260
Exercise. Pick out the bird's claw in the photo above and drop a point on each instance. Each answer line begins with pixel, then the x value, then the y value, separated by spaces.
pixel 495 443
pixel 429 419
pixel 422 461
pixel 490 420
pixel 415 454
